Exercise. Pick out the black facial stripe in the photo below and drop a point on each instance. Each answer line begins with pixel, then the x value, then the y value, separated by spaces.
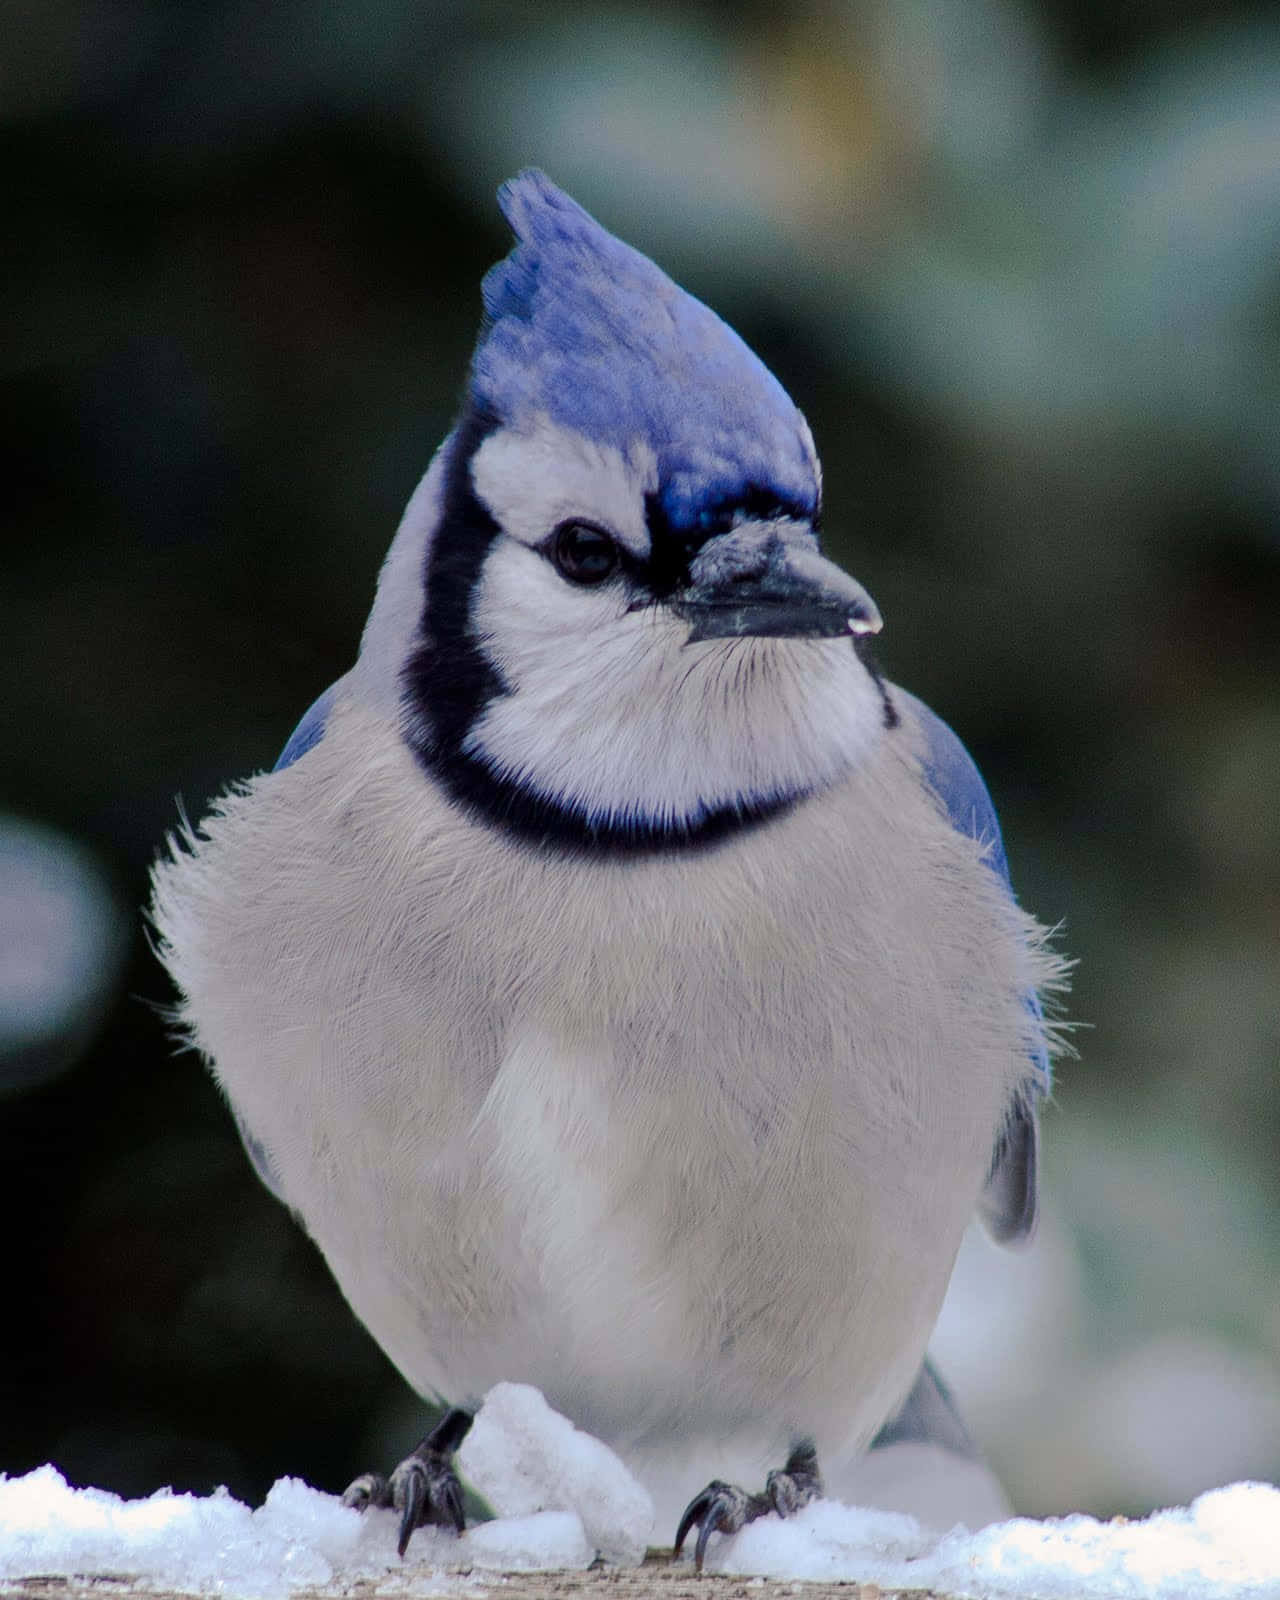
pixel 448 681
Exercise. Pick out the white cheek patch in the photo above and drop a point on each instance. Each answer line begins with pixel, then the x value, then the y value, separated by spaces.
pixel 541 474
pixel 532 621
pixel 612 713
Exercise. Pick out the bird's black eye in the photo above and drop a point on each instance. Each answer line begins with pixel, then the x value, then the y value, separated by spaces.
pixel 583 554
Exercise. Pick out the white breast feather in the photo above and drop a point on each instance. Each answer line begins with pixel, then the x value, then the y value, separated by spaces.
pixel 688 1146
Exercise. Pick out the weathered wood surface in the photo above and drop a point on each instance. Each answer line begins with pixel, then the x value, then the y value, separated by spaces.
pixel 656 1580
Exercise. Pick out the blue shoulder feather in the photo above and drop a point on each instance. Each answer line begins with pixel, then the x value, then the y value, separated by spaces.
pixel 261 1161
pixel 309 731
pixel 951 774
pixel 304 737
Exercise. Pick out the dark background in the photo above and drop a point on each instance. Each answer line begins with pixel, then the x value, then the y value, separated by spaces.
pixel 1017 262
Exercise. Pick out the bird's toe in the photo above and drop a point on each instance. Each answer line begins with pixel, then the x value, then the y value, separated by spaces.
pixel 724 1508
pixel 793 1486
pixel 369 1489
pixel 424 1488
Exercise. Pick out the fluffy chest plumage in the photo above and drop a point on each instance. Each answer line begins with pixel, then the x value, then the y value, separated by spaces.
pixel 659 1137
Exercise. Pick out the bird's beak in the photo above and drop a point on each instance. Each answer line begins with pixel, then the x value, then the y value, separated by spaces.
pixel 758 581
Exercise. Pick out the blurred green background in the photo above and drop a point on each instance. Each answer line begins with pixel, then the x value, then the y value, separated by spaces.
pixel 1019 264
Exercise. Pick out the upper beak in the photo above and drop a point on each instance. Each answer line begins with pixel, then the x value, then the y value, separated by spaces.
pixel 766 584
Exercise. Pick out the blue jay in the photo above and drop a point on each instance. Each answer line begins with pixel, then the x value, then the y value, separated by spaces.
pixel 619 978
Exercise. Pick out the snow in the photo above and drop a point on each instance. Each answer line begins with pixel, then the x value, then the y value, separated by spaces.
pixel 561 1496
pixel 1225 1546
pixel 298 1539
pixel 523 1457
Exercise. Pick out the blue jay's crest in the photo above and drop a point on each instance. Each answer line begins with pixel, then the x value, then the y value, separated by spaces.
pixel 587 330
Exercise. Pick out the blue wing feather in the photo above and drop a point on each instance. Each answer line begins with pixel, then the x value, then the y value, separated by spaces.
pixel 1009 1201
pixel 950 772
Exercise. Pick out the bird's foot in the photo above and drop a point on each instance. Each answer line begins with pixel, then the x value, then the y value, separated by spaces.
pixel 424 1488
pixel 723 1508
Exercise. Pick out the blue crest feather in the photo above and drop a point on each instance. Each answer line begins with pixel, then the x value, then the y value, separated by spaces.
pixel 585 329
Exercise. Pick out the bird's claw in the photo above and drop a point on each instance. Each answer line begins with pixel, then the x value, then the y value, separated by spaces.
pixel 724 1508
pixel 424 1488
pixel 720 1508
